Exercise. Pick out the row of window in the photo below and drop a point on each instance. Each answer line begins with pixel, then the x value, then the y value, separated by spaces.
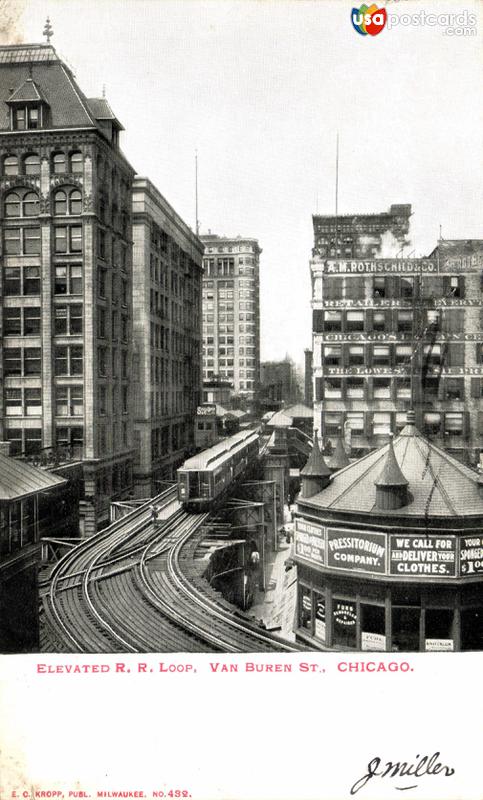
pixel 28 441
pixel 68 320
pixel 68 401
pixel 383 423
pixel 26 241
pixel 405 287
pixel 393 389
pixel 26 204
pixel 448 320
pixel 24 281
pixel 451 354
pixel 30 164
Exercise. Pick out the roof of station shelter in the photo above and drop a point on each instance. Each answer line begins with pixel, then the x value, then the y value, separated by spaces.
pixel 299 411
pixel 18 479
pixel 438 484
pixel 280 420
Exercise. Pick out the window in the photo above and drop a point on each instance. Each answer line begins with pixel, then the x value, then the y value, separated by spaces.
pixel 355 321
pixel 454 389
pixel 68 320
pixel 355 388
pixel 125 396
pixel 60 203
pixel 305 609
pixel 379 287
pixel 355 420
pixel 13 403
pixel 101 323
pixel 382 388
pixel 21 322
pixel 68 279
pixel 333 388
pixel 404 321
pixel 12 205
pixel 356 355
pixel 12 322
pixel 76 162
pixel 381 424
pixel 10 165
pixel 101 277
pixel 58 163
pixel 431 423
pixel 455 285
pixel 403 353
pixel 102 400
pixel 31 164
pixel 453 423
pixel 432 354
pixel 407 288
pixel 332 423
pixel 68 239
pixel 332 355
pixel 379 321
pixel 403 388
pixel 75 202
pixel 23 402
pixel 333 321
pixel 479 353
pixel 69 401
pixel 344 616
pixel 22 241
pixel 68 360
pixel 102 361
pixel 72 439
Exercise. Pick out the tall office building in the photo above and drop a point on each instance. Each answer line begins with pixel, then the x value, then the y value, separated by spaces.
pixel 66 276
pixel 231 313
pixel 167 272
pixel 390 333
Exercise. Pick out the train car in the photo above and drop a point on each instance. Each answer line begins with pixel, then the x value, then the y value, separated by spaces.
pixel 205 478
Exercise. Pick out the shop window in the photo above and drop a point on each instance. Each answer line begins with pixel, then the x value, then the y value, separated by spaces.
pixel 404 321
pixel 439 632
pixel 356 355
pixel 405 628
pixel 344 617
pixel 373 627
pixel 454 389
pixel 453 423
pixel 472 628
pixel 381 355
pixel 333 322
pixel 332 355
pixel 332 423
pixel 382 388
pixel 332 388
pixel 355 421
pixel 431 423
pixel 355 388
pixel 305 609
pixel 319 620
pixel 403 354
pixel 355 322
pixel 381 425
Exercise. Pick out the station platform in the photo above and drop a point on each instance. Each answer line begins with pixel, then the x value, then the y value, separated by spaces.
pixel 276 606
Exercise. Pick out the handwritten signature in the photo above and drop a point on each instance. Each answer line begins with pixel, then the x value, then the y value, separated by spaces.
pixel 426 765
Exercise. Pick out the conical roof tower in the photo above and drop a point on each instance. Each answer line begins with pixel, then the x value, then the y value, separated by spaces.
pixel 315 475
pixel 391 485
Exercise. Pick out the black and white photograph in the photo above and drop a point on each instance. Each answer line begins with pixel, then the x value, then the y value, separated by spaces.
pixel 241 397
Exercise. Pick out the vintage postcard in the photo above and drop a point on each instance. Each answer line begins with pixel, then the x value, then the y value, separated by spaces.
pixel 241 399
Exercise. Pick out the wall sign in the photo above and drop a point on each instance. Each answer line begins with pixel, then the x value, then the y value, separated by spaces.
pixel 471 555
pixel 373 641
pixel 356 550
pixel 422 555
pixel 345 614
pixel 309 541
pixel 380 266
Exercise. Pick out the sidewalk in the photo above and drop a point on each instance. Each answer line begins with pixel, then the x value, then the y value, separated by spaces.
pixel 276 606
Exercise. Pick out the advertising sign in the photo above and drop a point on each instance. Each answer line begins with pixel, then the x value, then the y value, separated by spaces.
pixel 423 555
pixel 356 550
pixel 380 265
pixel 309 541
pixel 471 555
pixel 438 645
pixel 206 411
pixel 373 641
pixel 345 614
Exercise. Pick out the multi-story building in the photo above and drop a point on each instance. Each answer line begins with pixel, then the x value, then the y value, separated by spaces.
pixel 66 275
pixel 231 313
pixel 392 333
pixel 308 382
pixel 362 235
pixel 278 382
pixel 167 271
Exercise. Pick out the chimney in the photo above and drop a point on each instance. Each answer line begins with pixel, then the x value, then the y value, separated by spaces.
pixel 391 485
pixel 316 474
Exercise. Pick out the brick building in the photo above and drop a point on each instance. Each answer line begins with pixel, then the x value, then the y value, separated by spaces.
pixel 66 277
pixel 278 383
pixel 167 268
pixel 231 313
pixel 391 333
pixel 362 235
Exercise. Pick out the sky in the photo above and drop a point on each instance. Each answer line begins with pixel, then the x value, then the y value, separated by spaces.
pixel 260 88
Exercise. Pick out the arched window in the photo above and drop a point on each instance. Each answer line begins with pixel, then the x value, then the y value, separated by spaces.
pixel 58 163
pixel 31 164
pixel 10 165
pixel 12 205
pixel 76 164
pixel 30 204
pixel 75 202
pixel 60 203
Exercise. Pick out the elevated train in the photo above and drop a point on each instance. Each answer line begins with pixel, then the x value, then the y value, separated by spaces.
pixel 206 477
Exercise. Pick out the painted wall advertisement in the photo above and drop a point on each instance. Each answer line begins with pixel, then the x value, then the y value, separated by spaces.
pixel 309 541
pixel 471 555
pixel 423 555
pixel 356 550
